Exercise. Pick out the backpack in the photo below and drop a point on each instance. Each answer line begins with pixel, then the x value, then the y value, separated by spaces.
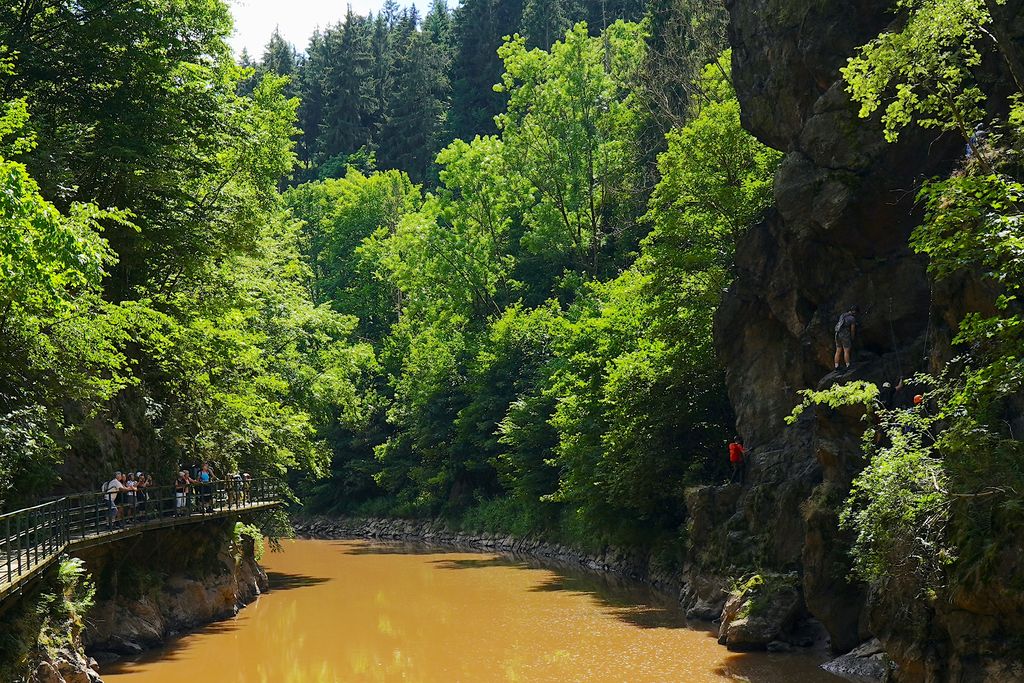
pixel 843 321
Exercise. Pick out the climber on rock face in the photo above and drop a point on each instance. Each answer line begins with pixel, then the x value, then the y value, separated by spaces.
pixel 846 330
pixel 737 459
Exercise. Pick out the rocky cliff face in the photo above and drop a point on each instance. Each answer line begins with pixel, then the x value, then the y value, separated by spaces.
pixel 148 588
pixel 165 582
pixel 837 236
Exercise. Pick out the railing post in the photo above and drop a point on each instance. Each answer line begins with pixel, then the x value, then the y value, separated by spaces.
pixel 33 547
pixel 7 547
pixel 67 517
pixel 26 533
pixel 18 524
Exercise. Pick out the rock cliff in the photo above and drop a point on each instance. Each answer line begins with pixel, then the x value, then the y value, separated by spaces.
pixel 836 236
pixel 154 586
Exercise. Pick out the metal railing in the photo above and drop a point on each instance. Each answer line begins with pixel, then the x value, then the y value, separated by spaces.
pixel 34 537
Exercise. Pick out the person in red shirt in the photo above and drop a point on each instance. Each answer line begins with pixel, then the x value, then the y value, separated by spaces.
pixel 737 459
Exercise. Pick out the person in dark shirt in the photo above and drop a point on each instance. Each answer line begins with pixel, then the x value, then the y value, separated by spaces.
pixel 846 331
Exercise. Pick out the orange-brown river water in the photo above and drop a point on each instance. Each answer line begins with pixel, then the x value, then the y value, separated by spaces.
pixel 346 611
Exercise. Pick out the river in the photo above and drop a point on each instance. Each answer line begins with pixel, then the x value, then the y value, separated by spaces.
pixel 346 611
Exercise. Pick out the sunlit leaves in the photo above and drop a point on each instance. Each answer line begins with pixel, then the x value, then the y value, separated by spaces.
pixel 60 341
pixel 716 182
pixel 569 132
pixel 923 73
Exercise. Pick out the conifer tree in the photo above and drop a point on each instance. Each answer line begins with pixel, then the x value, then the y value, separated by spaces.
pixel 414 125
pixel 347 80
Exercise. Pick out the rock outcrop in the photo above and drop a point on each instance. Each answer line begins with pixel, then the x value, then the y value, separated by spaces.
pixel 867 661
pixel 762 613
pixel 69 665
pixel 837 236
pixel 177 580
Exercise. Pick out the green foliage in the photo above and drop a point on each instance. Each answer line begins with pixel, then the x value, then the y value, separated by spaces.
pixel 253 534
pixel 47 619
pixel 515 516
pixel 942 489
pixel 272 526
pixel 847 394
pixel 338 216
pixel 716 181
pixel 60 338
pixel 182 326
pixel 542 375
pixel 63 611
pixel 923 73
pixel 78 593
pixel 569 130
pixel 898 505
pixel 684 36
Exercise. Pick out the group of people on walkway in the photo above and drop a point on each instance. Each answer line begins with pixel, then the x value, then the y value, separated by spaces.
pixel 192 487
pixel 128 497
pixel 133 497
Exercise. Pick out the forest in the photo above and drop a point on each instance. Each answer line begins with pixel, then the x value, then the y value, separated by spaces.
pixel 457 265
pixel 534 257
pixel 463 264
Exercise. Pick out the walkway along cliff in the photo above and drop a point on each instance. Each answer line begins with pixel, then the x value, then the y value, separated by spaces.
pixel 71 582
pixel 837 236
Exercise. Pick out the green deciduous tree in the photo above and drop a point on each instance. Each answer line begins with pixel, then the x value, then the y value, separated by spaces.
pixel 569 132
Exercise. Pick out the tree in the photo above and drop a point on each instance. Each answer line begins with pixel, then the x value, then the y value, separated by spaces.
pixel 545 21
pixel 61 341
pixel 279 56
pixel 685 35
pixel 347 85
pixel 569 130
pixel 338 216
pixel 415 115
pixel 478 29
pixel 716 180
pixel 924 71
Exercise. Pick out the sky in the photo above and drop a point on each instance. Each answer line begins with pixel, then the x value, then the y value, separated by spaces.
pixel 296 19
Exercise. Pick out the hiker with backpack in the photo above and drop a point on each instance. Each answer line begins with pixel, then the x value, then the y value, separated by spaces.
pixel 846 330
pixel 111 492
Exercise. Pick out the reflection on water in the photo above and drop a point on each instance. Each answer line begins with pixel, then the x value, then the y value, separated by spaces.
pixel 355 611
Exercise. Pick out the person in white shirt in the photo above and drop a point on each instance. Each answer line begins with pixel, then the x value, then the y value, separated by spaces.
pixel 131 486
pixel 110 491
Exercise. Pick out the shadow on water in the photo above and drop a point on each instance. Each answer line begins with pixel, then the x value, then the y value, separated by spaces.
pixel 762 666
pixel 398 548
pixel 624 600
pixel 484 562
pixel 171 650
pixel 635 606
pixel 281 581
